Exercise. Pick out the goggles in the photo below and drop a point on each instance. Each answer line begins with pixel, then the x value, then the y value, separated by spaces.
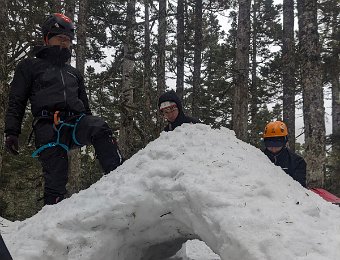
pixel 169 109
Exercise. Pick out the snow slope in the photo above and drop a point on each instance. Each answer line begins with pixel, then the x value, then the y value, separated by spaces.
pixel 194 182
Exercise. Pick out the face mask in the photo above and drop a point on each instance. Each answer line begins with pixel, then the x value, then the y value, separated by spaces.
pixel 64 54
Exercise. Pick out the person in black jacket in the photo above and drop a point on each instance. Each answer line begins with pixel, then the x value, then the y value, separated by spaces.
pixel 171 108
pixel 275 138
pixel 59 104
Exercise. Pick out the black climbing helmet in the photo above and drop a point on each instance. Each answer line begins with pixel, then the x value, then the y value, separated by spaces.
pixel 58 24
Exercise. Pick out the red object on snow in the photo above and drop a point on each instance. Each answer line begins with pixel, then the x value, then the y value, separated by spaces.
pixel 327 195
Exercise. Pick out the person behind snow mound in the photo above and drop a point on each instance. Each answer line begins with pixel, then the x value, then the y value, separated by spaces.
pixel 59 104
pixel 171 108
pixel 275 138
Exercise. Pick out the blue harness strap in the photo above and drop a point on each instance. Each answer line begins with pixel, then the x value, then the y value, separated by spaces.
pixel 57 142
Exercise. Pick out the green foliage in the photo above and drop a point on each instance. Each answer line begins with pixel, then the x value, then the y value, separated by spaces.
pixel 256 127
pixel 91 169
pixel 21 177
pixel 265 87
pixel 330 43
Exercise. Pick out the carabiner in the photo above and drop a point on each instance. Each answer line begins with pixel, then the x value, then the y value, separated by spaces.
pixel 56 118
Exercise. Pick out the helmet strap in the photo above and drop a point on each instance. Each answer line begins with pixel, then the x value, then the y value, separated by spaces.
pixel 286 141
pixel 46 39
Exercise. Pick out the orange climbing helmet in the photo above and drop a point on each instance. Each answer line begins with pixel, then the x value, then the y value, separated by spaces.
pixel 275 129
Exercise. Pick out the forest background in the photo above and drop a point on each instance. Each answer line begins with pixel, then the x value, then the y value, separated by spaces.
pixel 261 69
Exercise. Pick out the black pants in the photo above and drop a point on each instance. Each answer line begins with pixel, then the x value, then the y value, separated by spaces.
pixel 4 253
pixel 54 160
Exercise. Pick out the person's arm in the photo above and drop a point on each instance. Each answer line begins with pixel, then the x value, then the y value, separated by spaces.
pixel 18 96
pixel 83 96
pixel 300 171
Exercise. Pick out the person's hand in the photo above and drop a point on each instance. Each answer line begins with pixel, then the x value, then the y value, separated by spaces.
pixel 12 144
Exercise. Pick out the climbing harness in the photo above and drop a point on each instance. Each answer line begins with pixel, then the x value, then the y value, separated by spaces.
pixel 58 124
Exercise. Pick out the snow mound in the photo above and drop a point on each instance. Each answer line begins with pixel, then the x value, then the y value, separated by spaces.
pixel 198 250
pixel 194 182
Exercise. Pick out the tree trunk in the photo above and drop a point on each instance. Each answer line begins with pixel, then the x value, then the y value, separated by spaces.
pixel 162 28
pixel 4 90
pixel 288 70
pixel 55 6
pixel 4 73
pixel 180 49
pixel 127 102
pixel 334 71
pixel 240 106
pixel 81 37
pixel 313 103
pixel 253 106
pixel 75 171
pixel 161 46
pixel 147 111
pixel 196 84
pixel 69 8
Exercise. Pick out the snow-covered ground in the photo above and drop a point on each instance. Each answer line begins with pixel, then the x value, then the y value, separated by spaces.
pixel 194 182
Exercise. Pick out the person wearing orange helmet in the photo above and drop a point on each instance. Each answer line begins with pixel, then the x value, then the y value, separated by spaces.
pixel 275 137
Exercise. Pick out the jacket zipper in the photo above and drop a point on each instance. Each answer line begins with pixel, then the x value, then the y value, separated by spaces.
pixel 63 81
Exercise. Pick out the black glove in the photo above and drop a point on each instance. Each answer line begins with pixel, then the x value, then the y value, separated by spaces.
pixel 12 144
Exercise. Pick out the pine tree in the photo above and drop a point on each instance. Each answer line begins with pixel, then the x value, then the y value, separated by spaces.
pixel 288 70
pixel 313 105
pixel 127 101
pixel 75 170
pixel 265 33
pixel 196 78
pixel 180 49
pixel 241 97
pixel 330 35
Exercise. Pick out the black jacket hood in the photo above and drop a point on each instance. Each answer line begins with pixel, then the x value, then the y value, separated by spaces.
pixel 171 96
pixel 181 118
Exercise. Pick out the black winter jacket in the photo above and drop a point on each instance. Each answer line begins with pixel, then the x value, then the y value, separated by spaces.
pixel 293 164
pixel 181 118
pixel 49 84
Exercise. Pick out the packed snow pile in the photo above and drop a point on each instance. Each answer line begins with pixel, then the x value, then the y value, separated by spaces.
pixel 194 182
pixel 198 250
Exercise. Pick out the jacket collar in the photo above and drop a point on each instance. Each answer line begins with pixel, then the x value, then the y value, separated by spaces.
pixel 54 54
